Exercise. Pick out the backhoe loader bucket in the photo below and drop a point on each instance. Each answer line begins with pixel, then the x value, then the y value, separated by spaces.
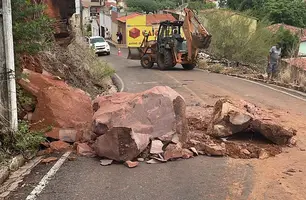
pixel 134 53
pixel 200 41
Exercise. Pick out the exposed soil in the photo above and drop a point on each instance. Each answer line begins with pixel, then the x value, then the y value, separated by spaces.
pixel 244 145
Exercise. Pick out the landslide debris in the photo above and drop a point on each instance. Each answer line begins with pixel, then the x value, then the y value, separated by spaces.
pixel 155 126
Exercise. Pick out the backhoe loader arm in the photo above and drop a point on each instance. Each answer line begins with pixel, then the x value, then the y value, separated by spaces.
pixel 197 36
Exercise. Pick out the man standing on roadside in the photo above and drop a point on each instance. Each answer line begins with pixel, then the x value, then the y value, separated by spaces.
pixel 273 60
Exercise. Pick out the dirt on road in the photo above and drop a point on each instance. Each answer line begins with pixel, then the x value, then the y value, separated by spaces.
pixel 282 176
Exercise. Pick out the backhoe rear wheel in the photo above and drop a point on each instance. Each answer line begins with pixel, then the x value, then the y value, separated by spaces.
pixel 188 66
pixel 146 62
pixel 165 60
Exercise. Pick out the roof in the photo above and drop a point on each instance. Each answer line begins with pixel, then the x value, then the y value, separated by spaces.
pixel 298 62
pixel 157 18
pixel 124 18
pixel 294 30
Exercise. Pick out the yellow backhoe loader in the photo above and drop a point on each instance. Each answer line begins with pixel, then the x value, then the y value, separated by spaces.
pixel 170 48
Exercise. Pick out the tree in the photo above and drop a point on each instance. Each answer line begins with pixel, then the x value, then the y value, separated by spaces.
pixel 234 4
pixel 199 5
pixel 291 12
pixel 146 6
pixel 32 29
pixel 289 42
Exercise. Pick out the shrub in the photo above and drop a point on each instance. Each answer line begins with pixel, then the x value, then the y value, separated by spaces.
pixel 289 42
pixel 32 28
pixel 23 141
pixel 234 39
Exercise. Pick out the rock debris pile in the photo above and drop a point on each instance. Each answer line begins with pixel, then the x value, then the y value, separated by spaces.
pixel 153 126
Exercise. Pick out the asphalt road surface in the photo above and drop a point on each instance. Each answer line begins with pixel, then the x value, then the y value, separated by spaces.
pixel 201 178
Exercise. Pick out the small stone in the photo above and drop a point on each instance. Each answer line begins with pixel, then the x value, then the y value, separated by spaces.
pixel 131 164
pixel 152 161
pixel 140 159
pixel 59 145
pixel 156 147
pixel 263 154
pixel 214 149
pixel 201 152
pixel 72 158
pixel 48 160
pixel 4 174
pixel 17 162
pixel 194 151
pixel 245 151
pixel 302 149
pixel 85 150
pixel 187 153
pixel 44 152
pixel 106 162
pixel 292 141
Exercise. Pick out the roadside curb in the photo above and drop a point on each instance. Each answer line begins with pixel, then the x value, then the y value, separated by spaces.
pixel 276 83
pixel 14 178
pixel 118 82
pixel 14 165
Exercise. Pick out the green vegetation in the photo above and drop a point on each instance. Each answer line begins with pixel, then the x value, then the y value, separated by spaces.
pixel 291 12
pixel 289 42
pixel 233 39
pixel 153 6
pixel 23 141
pixel 32 29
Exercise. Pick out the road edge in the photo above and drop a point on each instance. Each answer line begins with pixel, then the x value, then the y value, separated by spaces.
pixel 118 82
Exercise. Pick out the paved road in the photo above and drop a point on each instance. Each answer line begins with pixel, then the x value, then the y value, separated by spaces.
pixel 196 179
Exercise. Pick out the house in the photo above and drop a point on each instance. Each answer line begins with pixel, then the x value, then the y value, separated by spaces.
pixel 141 21
pixel 135 26
pixel 90 10
pixel 121 22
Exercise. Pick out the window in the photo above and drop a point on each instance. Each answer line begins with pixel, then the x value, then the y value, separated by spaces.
pixel 95 40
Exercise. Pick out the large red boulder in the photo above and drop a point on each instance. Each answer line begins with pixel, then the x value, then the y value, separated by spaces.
pixel 124 122
pixel 58 105
pixel 231 117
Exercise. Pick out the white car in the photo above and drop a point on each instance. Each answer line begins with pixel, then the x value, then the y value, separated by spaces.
pixel 99 44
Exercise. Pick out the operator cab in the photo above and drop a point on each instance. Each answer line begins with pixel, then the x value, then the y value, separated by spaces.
pixel 170 35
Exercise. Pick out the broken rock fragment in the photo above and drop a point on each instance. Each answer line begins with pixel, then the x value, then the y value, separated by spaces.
pixel 106 162
pixel 124 122
pixel 120 144
pixel 131 164
pixel 84 149
pixel 59 145
pixel 156 147
pixel 175 151
pixel 230 117
pixel 213 149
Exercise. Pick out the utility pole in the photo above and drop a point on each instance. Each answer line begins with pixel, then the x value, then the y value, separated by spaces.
pixel 9 66
pixel 4 114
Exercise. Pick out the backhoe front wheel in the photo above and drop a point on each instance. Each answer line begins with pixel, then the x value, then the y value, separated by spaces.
pixel 146 62
pixel 188 66
pixel 165 60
